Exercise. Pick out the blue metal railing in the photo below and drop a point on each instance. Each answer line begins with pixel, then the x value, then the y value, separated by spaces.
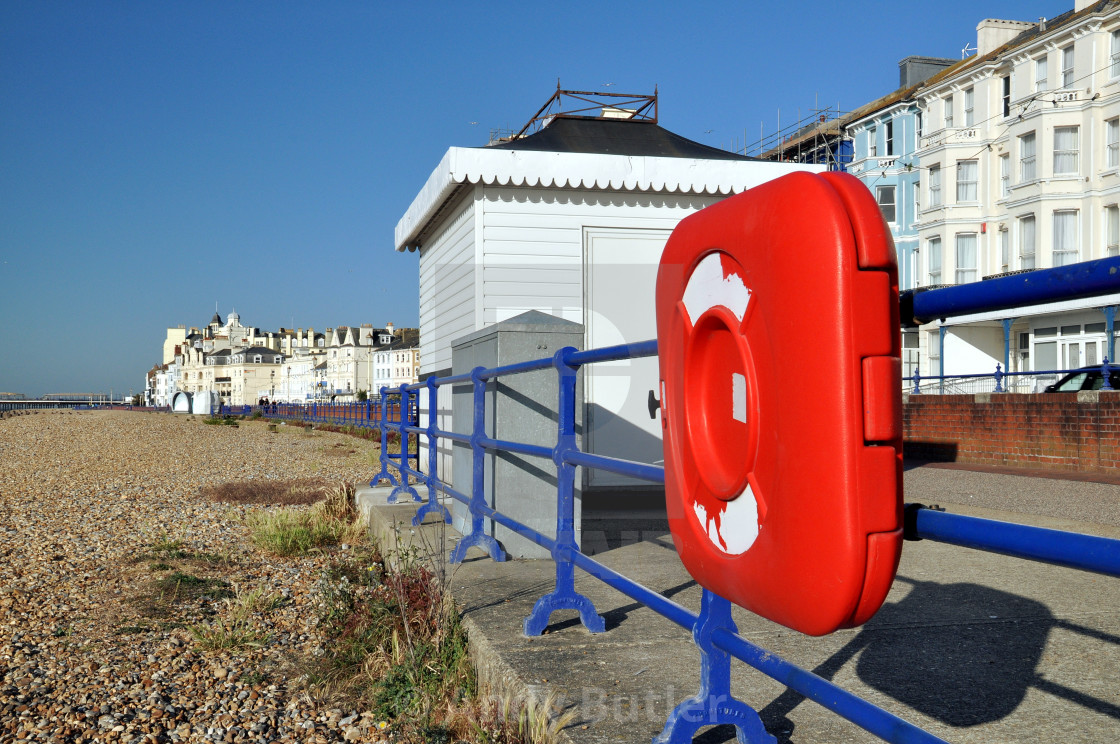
pixel 1074 281
pixel 114 407
pixel 361 414
pixel 712 628
pixel 1001 382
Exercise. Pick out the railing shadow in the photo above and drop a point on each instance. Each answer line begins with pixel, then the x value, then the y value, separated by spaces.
pixel 962 654
pixel 614 618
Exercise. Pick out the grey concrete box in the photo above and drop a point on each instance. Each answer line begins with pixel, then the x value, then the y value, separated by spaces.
pixel 519 408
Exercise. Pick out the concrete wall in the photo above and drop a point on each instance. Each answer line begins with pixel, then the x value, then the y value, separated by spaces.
pixel 519 408
pixel 1059 431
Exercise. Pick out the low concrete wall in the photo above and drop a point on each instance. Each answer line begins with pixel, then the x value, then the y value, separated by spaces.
pixel 1062 431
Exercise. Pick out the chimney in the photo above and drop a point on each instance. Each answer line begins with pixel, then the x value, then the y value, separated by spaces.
pixel 992 33
pixel 914 70
pixel 389 328
pixel 1080 5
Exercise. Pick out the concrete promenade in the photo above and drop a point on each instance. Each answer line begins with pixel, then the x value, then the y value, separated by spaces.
pixel 972 646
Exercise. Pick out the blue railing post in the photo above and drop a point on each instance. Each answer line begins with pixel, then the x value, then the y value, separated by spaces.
pixel 403 486
pixel 477 537
pixel 564 596
pixel 999 379
pixel 384 472
pixel 917 378
pixel 941 354
pixel 1106 375
pixel 713 705
pixel 432 480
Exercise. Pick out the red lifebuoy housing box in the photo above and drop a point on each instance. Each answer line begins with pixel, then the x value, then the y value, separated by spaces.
pixel 778 338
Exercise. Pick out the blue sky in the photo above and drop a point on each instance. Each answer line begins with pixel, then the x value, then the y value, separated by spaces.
pixel 158 157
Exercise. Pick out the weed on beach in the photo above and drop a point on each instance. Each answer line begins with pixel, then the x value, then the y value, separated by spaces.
pixel 394 645
pixel 237 627
pixel 286 492
pixel 286 532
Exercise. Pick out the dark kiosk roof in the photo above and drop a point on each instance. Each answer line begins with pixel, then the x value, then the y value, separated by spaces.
pixel 615 137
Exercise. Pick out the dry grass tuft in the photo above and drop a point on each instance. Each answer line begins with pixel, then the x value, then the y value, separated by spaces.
pixel 292 492
pixel 333 519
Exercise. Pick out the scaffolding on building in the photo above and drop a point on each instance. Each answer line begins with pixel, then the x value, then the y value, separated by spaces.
pixel 819 138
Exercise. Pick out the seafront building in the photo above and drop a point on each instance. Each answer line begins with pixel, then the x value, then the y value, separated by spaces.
pixel 243 365
pixel 885 139
pixel 1020 147
pixel 1001 162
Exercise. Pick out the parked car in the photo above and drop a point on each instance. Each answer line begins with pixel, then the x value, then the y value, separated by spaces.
pixel 1086 378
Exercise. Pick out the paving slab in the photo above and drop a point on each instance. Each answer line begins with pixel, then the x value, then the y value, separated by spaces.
pixel 972 646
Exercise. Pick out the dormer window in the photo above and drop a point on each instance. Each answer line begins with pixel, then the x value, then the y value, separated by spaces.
pixel 257 359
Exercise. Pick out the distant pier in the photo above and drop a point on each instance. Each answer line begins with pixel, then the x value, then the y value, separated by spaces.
pixel 18 401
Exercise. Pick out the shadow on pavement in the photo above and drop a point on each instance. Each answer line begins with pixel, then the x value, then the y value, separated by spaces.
pixel 962 654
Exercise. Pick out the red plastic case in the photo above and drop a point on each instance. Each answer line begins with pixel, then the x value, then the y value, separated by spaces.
pixel 778 338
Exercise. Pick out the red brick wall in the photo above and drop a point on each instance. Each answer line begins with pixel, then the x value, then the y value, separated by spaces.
pixel 1065 431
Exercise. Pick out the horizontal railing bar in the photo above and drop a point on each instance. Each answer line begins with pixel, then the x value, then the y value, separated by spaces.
pixel 615 353
pixel 836 699
pixel 414 429
pixel 1072 549
pixel 659 603
pixel 863 713
pixel 1020 373
pixel 519 447
pixel 1071 282
pixel 453 436
pixel 513 525
pixel 515 369
pixel 652 473
pixel 453 379
pixel 458 496
pixel 409 471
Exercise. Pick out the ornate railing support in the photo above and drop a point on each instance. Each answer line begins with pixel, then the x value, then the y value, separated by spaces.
pixel 564 596
pixel 432 480
pixel 713 705
pixel 477 537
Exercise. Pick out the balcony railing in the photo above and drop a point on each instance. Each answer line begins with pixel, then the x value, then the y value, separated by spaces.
pixel 1034 381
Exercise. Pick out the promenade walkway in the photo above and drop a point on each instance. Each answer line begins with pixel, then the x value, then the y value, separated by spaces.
pixel 972 646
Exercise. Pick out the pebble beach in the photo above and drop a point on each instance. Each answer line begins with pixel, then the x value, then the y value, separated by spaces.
pixel 97 510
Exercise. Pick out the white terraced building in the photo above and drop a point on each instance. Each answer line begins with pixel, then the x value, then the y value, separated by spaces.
pixel 1020 169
